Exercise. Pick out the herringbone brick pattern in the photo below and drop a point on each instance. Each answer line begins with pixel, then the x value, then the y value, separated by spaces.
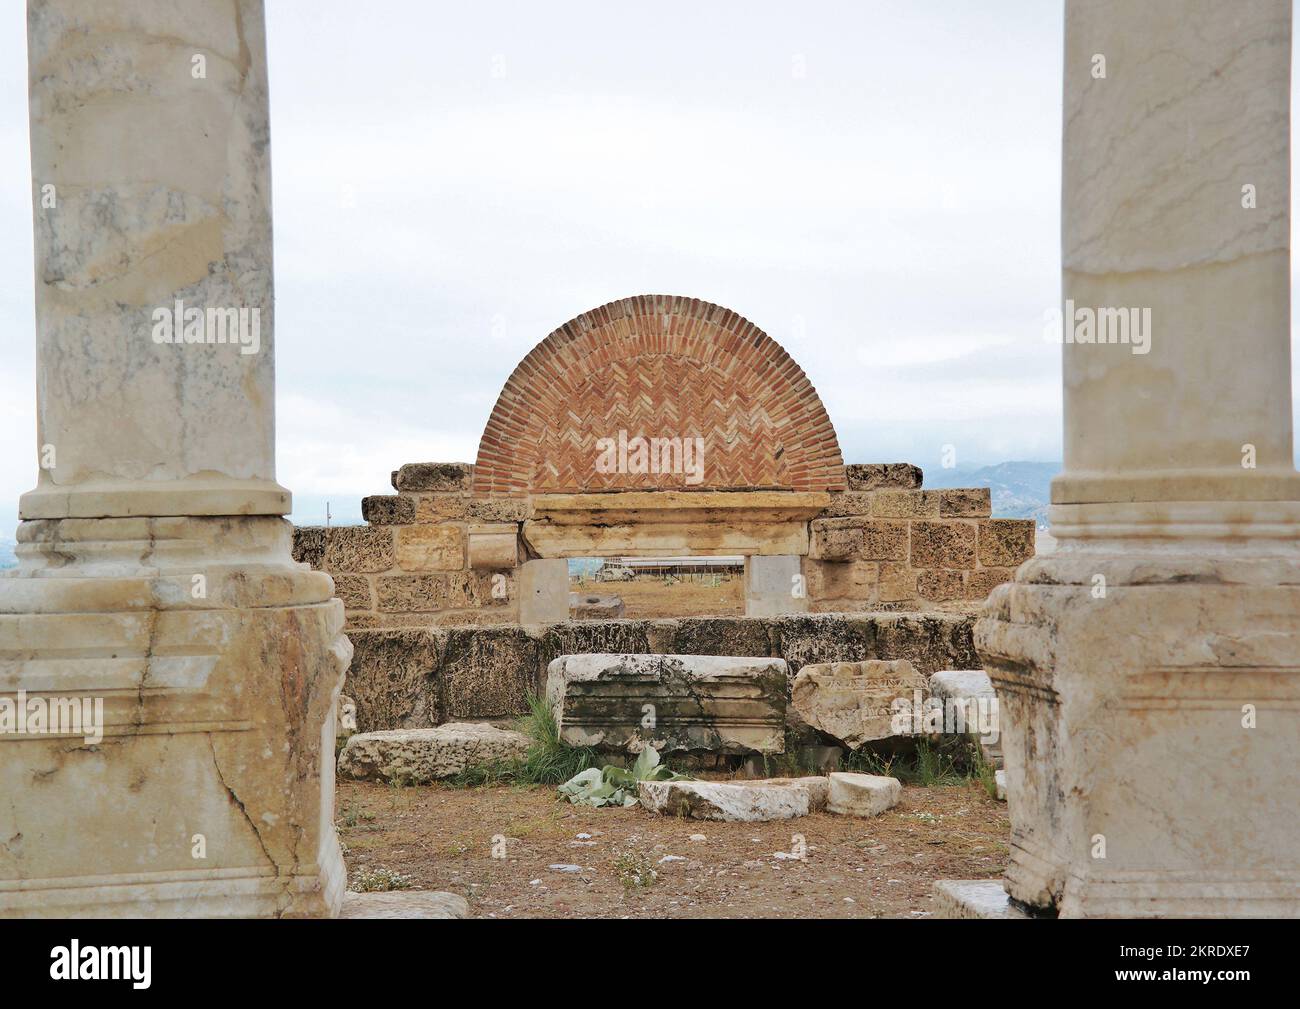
pixel 658 367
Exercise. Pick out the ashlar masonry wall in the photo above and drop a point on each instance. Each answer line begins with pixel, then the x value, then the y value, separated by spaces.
pixel 438 554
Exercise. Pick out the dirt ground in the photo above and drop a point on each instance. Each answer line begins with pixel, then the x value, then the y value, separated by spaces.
pixel 443 838
pixel 649 597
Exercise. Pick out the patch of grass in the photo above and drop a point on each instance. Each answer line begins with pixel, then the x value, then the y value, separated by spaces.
pixel 379 880
pixel 953 760
pixel 549 760
pixel 634 868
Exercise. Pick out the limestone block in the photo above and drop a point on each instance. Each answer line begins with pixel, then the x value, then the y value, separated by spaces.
pixel 309 545
pixel 941 584
pixel 1006 543
pixel 905 504
pixel 850 502
pixel 974 898
pixel 743 801
pixel 494 547
pixel 841 580
pixel 774 585
pixel 433 592
pixel 862 794
pixel 965 502
pixel 434 508
pixel 431 548
pixel 487 673
pixel 595 607
pixel 897 584
pixel 418 756
pixel 359 549
pixel 388 509
pixel 354 590
pixel 854 538
pixel 498 509
pixel 1000 780
pixel 943 544
pixel 424 904
pixel 982 581
pixel 873 476
pixel 392 678
pixel 543 591
pixel 438 477
pixel 677 702
pixel 851 701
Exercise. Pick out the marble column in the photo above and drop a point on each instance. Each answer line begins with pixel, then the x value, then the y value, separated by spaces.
pixel 155 581
pixel 1149 669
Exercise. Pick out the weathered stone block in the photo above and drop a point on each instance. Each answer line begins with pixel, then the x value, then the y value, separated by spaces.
pixel 965 502
pixel 859 539
pixel 1006 543
pixel 431 548
pixel 487 672
pixel 943 544
pixel 897 584
pixel 719 704
pixel 974 898
pixel 493 550
pixel 862 794
pixel 418 756
pixel 852 701
pixel 982 581
pixel 359 549
pixel 941 584
pixel 434 508
pixel 905 504
pixel 354 590
pixel 874 475
pixel 428 593
pixel 744 801
pixel 929 641
pixel 392 678
pixel 388 509
pixel 841 580
pixel 592 606
pixel 852 502
pixel 434 476
pixel 309 545
pixel 499 509
pixel 424 905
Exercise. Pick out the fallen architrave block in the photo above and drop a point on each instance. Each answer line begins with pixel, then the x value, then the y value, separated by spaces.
pixel 854 702
pixel 709 703
pixel 765 799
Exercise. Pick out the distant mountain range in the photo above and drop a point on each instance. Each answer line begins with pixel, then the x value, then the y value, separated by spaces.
pixel 7 558
pixel 1020 490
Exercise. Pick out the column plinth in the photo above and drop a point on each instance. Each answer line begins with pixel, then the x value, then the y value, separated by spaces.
pixel 155 593
pixel 1148 671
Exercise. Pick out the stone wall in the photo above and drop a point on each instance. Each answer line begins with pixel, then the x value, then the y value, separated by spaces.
pixel 438 554
pixel 410 677
pixel 887 544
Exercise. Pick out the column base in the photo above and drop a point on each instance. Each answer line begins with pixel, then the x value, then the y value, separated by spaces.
pixel 1149 702
pixel 205 666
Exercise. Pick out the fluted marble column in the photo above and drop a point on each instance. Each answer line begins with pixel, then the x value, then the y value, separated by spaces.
pixel 154 572
pixel 1149 670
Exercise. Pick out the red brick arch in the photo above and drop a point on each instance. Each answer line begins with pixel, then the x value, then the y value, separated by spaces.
pixel 666 367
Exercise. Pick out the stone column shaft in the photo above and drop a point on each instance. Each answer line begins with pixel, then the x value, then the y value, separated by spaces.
pixel 155 598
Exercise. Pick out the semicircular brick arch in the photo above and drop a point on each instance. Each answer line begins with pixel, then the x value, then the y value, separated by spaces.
pixel 658 367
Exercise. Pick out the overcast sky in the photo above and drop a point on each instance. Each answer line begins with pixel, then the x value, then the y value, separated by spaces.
pixel 875 184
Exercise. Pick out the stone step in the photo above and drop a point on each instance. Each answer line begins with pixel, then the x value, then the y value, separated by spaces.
pixel 852 794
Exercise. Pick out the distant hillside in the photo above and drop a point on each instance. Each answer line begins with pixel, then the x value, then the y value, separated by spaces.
pixel 7 558
pixel 1020 490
